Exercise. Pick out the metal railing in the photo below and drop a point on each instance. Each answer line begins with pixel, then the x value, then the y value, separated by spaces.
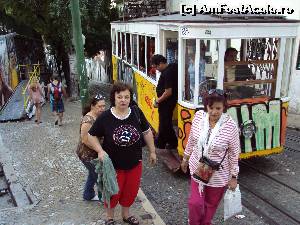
pixel 33 75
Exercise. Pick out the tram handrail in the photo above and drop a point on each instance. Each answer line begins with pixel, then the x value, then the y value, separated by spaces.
pixel 248 82
pixel 233 63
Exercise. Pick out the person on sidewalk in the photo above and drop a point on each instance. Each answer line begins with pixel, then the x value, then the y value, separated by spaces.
pixel 56 91
pixel 167 92
pixel 90 113
pixel 123 133
pixel 214 137
pixel 36 97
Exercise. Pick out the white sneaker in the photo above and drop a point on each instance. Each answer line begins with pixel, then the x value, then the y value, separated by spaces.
pixel 95 198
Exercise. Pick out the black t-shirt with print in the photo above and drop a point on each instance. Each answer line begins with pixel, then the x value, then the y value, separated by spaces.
pixel 168 79
pixel 122 137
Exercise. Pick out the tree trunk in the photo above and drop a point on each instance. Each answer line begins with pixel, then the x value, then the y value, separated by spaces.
pixel 74 79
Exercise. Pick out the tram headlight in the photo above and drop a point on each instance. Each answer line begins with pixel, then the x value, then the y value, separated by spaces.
pixel 248 128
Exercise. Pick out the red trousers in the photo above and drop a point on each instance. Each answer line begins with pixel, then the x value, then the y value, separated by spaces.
pixel 129 183
pixel 202 207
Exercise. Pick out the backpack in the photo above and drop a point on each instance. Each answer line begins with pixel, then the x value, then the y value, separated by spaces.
pixel 56 91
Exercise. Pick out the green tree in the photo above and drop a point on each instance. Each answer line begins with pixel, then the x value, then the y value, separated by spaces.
pixel 51 19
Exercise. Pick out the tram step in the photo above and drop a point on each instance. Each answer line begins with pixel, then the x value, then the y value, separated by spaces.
pixel 169 159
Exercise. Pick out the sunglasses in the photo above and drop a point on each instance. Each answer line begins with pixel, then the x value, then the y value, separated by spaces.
pixel 217 91
pixel 99 97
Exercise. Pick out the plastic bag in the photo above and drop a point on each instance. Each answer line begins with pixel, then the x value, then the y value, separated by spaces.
pixel 232 203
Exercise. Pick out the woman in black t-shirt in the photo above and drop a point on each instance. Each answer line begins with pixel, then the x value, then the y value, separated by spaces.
pixel 123 128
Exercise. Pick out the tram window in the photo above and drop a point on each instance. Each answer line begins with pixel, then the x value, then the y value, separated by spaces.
pixel 189 78
pixel 298 60
pixel 119 44
pixel 134 49
pixel 123 46
pixel 172 50
pixel 206 68
pixel 142 66
pixel 254 75
pixel 128 48
pixel 114 41
pixel 150 52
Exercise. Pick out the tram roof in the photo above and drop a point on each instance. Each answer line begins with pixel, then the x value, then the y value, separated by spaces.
pixel 202 18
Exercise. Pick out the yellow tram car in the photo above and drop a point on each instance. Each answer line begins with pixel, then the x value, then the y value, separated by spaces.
pixel 256 81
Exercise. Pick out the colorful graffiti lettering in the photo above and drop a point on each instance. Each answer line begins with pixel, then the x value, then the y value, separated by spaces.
pixel 269 117
pixel 184 126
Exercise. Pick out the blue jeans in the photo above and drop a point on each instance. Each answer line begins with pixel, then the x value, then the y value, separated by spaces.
pixel 89 192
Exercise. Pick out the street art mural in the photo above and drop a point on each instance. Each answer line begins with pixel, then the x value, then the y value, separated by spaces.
pixel 15 53
pixel 5 78
pixel 184 126
pixel 146 93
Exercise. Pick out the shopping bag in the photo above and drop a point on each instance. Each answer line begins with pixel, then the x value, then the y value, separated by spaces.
pixel 232 203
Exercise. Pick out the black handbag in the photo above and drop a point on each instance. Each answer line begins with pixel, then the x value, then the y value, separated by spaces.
pixel 207 168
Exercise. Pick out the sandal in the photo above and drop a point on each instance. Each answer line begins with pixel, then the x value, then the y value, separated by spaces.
pixel 110 222
pixel 131 220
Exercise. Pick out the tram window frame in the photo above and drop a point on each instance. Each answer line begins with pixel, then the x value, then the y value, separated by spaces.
pixel 119 44
pixel 206 73
pixel 128 47
pixel 142 55
pixel 123 48
pixel 298 59
pixel 252 88
pixel 114 42
pixel 151 72
pixel 135 50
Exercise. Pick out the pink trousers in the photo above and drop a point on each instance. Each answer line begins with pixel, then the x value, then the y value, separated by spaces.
pixel 202 207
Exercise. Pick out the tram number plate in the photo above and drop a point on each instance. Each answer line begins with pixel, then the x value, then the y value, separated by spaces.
pixel 184 31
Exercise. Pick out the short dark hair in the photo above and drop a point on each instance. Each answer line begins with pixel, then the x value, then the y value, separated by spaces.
pixel 210 99
pixel 157 59
pixel 117 88
pixel 93 100
pixel 230 49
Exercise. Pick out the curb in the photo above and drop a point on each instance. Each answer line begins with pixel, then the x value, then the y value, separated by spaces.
pixel 149 208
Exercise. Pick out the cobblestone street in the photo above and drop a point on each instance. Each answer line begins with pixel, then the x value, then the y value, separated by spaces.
pixel 46 166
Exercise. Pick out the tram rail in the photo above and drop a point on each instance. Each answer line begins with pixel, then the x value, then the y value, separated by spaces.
pixel 268 206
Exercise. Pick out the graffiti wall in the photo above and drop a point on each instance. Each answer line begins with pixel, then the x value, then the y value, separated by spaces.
pixel 146 93
pixel 5 69
pixel 268 122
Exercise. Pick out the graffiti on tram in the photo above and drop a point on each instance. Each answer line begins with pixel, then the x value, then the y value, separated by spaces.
pixel 268 120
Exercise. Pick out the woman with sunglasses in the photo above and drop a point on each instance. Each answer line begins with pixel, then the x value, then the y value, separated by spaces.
pixel 123 128
pixel 90 113
pixel 214 136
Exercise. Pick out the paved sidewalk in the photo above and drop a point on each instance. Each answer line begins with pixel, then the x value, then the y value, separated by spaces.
pixel 44 163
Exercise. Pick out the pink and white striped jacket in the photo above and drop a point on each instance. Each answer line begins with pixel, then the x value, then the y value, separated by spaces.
pixel 226 138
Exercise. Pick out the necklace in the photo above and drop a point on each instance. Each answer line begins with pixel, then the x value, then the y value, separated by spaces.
pixel 120 116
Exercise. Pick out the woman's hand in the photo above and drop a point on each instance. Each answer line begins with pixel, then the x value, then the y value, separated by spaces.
pixel 232 184
pixel 184 165
pixel 101 155
pixel 152 158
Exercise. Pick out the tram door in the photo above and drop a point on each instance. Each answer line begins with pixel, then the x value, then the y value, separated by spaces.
pixel 170 51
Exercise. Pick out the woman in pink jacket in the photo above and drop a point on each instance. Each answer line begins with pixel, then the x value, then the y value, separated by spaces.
pixel 213 140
